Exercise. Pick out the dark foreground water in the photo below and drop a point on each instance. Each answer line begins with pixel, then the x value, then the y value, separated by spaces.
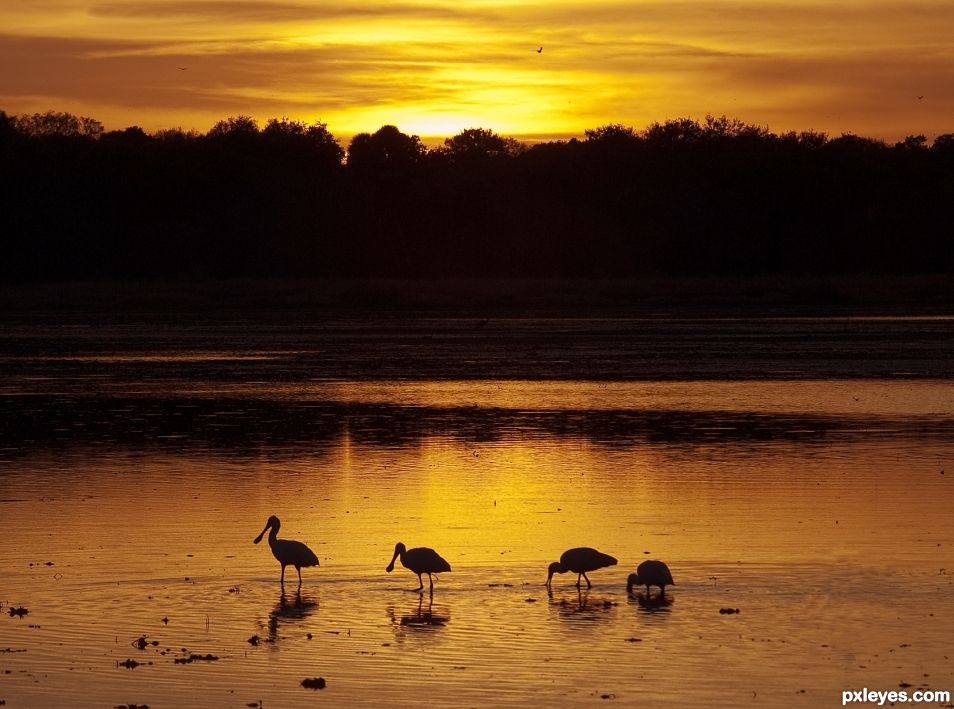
pixel 800 472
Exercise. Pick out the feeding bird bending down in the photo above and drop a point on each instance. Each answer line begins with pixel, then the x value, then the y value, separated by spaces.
pixel 287 551
pixel 421 560
pixel 651 573
pixel 579 561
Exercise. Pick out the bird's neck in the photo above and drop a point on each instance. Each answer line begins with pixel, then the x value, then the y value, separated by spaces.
pixel 272 536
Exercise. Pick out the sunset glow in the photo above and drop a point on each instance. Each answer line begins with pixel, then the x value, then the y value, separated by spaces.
pixel 434 68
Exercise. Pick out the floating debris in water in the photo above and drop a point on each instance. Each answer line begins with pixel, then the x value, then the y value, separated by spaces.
pixel 165 620
pixel 254 640
pixel 634 640
pixel 500 585
pixel 18 611
pixel 531 600
pixel 729 611
pixel 195 658
pixel 131 664
pixel 904 685
pixel 142 643
pixel 309 636
pixel 234 589
pixel 131 706
pixel 607 696
pixel 313 683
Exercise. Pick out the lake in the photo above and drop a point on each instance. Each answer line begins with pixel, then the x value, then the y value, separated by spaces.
pixel 799 470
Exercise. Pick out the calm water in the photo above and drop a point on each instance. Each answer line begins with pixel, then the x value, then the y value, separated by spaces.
pixel 132 482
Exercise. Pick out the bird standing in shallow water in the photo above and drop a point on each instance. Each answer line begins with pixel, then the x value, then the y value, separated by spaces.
pixel 579 561
pixel 651 573
pixel 420 560
pixel 287 551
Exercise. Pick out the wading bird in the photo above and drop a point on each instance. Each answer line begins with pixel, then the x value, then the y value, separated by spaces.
pixel 287 551
pixel 651 573
pixel 421 560
pixel 579 561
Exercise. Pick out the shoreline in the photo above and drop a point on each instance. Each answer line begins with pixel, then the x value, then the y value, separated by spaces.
pixel 704 297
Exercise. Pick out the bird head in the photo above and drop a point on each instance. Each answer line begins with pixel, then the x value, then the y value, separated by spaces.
pixel 399 549
pixel 632 580
pixel 273 522
pixel 555 568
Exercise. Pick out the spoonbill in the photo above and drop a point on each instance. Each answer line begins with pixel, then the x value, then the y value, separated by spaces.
pixel 651 573
pixel 579 561
pixel 421 560
pixel 287 551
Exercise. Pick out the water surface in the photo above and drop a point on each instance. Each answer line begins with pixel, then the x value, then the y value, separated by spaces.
pixel 132 482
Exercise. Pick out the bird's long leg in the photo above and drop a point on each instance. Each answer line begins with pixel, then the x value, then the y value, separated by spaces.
pixel 298 569
pixel 431 580
pixel 420 581
pixel 588 584
pixel 283 574
pixel 579 576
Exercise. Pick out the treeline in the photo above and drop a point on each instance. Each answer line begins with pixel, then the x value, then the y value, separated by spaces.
pixel 684 197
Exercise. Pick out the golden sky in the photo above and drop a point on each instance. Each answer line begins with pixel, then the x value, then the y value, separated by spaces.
pixel 880 68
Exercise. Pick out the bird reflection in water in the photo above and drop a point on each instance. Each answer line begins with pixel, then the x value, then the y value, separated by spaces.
pixel 652 604
pixel 291 608
pixel 421 617
pixel 580 606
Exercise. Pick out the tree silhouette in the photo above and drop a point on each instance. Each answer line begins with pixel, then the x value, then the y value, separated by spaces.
pixel 385 149
pixel 480 144
pixel 681 197
pixel 53 123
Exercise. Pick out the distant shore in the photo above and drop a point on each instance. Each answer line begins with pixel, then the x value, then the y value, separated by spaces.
pixel 764 296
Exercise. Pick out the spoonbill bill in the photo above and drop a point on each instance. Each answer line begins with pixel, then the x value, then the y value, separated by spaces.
pixel 421 560
pixel 288 551
pixel 651 573
pixel 579 561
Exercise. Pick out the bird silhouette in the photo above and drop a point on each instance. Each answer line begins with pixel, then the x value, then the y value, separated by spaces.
pixel 287 551
pixel 651 573
pixel 579 561
pixel 420 560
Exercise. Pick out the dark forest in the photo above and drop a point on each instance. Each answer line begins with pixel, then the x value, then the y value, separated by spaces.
pixel 682 198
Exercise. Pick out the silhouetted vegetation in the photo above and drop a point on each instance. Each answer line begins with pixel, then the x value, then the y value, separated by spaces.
pixel 684 197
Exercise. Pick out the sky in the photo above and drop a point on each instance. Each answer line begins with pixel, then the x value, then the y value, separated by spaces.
pixel 878 68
